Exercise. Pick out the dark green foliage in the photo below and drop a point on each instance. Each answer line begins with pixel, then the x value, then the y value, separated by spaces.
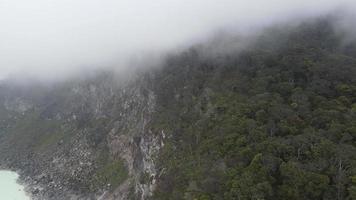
pixel 268 123
pixel 111 172
pixel 34 133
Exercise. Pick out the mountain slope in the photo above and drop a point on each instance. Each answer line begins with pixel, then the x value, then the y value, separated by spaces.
pixel 275 120
pixel 271 122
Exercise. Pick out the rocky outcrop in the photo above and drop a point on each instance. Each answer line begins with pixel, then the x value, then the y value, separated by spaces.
pixel 81 127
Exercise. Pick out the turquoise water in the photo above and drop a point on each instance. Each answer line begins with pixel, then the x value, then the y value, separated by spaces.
pixel 9 188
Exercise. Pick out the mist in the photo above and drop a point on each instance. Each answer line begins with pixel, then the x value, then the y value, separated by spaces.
pixel 52 40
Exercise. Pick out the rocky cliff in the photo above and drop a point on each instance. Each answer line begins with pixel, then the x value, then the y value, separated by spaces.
pixel 82 139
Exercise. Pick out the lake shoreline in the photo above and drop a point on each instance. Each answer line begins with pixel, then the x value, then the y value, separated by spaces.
pixel 20 179
pixel 31 187
pixel 14 184
pixel 34 188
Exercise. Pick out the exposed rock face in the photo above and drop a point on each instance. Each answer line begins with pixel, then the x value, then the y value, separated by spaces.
pixel 79 129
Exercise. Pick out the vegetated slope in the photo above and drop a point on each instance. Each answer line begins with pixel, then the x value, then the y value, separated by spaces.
pixel 276 120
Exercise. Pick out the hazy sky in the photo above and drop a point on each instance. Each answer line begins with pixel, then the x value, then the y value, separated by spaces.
pixel 55 38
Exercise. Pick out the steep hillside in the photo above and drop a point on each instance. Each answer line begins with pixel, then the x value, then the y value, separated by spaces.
pixel 80 139
pixel 276 120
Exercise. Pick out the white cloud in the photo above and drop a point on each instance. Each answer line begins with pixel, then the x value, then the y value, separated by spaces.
pixel 55 38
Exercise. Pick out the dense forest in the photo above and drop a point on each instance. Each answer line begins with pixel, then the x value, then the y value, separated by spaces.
pixel 274 121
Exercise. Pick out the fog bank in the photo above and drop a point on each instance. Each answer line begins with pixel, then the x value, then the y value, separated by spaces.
pixel 50 39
